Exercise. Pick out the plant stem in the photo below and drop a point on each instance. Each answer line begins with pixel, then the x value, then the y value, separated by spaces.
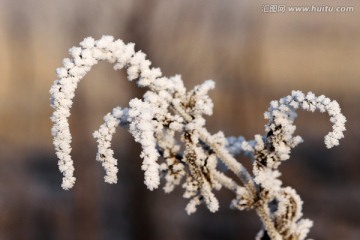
pixel 240 171
pixel 263 212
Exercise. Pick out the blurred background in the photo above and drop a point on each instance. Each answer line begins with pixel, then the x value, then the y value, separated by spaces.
pixel 253 56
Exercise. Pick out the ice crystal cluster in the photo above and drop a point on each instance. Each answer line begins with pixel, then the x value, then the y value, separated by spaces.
pixel 165 112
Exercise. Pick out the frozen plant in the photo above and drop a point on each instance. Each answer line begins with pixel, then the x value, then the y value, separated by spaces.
pixel 191 160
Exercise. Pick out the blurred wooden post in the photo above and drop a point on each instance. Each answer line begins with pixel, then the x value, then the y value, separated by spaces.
pixel 86 193
pixel 140 216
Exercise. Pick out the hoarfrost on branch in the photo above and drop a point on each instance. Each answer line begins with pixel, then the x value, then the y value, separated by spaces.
pixel 168 108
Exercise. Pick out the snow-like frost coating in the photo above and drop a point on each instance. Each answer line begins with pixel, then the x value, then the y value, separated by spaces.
pixel 201 168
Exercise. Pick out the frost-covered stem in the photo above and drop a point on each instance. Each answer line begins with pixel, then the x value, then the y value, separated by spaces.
pixel 229 161
pixel 235 166
pixel 240 171
pixel 225 181
pixel 263 212
pixel 260 208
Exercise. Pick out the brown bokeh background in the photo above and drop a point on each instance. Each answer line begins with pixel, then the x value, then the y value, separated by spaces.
pixel 254 57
